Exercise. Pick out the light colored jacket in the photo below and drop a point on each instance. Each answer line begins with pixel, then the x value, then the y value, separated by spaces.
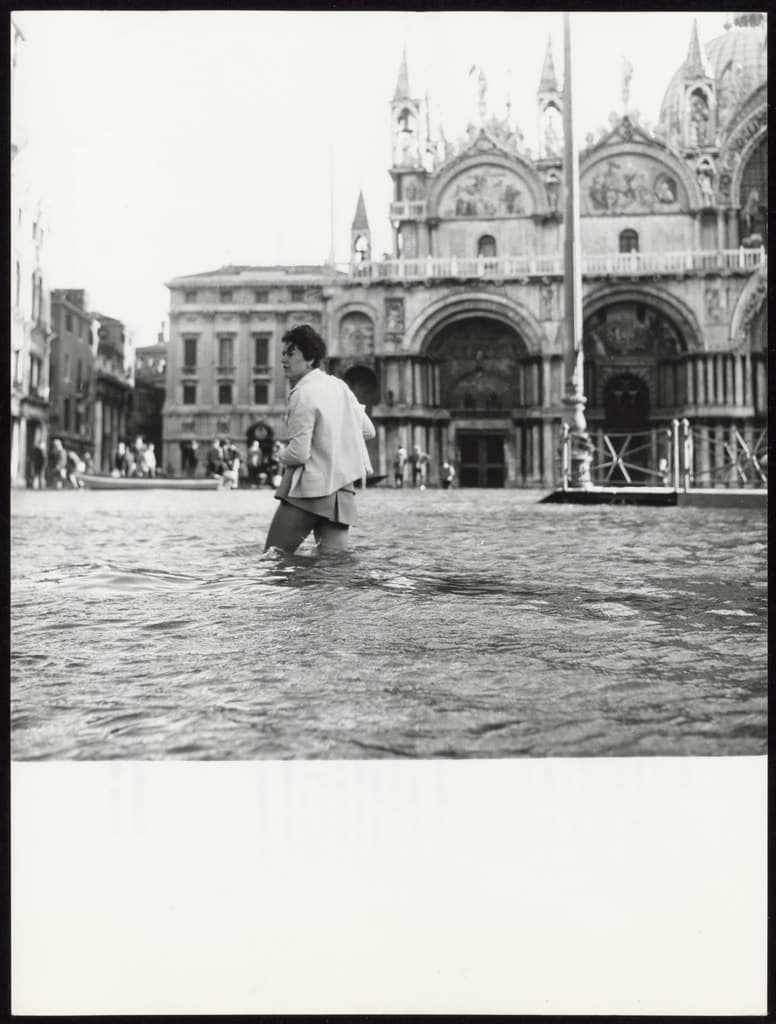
pixel 327 426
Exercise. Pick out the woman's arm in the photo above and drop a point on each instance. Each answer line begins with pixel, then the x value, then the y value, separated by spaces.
pixel 301 420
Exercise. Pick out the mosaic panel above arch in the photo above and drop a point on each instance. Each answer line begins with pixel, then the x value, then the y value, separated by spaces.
pixel 479 359
pixel 622 183
pixel 623 330
pixel 486 190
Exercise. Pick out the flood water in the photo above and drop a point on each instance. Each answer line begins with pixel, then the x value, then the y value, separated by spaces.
pixel 462 623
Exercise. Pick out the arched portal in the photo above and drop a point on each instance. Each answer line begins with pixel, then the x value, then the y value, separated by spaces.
pixel 484 371
pixel 635 337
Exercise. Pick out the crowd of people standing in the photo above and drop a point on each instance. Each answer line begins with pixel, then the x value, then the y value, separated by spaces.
pixel 416 466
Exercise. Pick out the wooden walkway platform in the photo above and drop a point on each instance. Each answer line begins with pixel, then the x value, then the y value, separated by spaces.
pixel 700 497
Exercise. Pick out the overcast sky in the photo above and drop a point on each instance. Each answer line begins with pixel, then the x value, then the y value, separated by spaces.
pixel 168 143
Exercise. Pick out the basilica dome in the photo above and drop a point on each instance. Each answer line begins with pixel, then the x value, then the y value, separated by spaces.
pixel 738 64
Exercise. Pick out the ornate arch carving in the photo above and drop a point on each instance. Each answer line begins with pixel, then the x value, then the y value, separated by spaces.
pixel 445 311
pixel 747 307
pixel 669 305
pixel 746 131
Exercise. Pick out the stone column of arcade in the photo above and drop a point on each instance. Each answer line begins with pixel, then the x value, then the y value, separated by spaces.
pixel 580 454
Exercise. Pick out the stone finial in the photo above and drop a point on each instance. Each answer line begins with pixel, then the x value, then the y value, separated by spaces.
pixel 696 64
pixel 403 82
pixel 360 221
pixel 549 80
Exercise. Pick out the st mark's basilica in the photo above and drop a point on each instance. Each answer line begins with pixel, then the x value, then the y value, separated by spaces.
pixel 455 340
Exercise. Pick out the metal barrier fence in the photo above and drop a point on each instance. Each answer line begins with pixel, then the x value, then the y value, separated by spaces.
pixel 678 457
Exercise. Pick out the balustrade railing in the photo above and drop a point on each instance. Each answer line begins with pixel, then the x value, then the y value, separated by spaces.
pixel 593 265
pixel 679 457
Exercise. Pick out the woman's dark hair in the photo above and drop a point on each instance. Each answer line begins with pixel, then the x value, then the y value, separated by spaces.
pixel 306 340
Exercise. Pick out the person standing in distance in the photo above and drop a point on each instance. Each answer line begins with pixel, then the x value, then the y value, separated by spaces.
pixel 325 454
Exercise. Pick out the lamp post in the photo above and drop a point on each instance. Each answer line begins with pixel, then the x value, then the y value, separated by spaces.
pixel 579 446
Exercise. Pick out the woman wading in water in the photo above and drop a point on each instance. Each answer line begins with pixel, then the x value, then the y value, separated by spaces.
pixel 325 454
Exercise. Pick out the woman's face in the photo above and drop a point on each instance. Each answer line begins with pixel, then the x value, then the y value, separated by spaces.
pixel 294 364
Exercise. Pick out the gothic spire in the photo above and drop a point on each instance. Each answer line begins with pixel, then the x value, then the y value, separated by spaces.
pixel 696 64
pixel 549 80
pixel 360 222
pixel 403 83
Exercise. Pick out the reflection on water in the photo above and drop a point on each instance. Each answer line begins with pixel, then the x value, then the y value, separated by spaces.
pixel 461 624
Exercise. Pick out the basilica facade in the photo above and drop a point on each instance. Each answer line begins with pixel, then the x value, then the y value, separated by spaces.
pixel 455 341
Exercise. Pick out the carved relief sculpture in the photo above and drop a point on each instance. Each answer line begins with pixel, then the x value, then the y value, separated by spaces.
pixel 705 176
pixel 394 319
pixel 546 300
pixel 357 335
pixel 699 128
pixel 714 303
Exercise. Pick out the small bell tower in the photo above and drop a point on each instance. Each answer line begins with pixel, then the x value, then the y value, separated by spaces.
pixel 550 109
pixel 699 119
pixel 360 237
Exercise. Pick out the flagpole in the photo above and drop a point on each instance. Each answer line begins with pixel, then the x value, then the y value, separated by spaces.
pixel 580 448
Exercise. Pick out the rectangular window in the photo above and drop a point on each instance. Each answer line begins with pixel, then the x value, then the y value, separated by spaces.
pixel 261 296
pixel 260 392
pixel 68 321
pixel 66 423
pixel 189 394
pixel 189 353
pixel 190 295
pixel 261 351
pixel 66 370
pixel 78 419
pixel 224 394
pixel 226 351
pixel 16 365
pixel 297 294
pixel 35 368
pixel 78 375
pixel 225 295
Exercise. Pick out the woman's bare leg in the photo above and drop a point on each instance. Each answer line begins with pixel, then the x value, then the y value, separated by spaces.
pixel 289 527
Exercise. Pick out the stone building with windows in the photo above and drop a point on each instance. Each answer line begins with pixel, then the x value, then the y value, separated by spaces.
pixel 147 396
pixel 71 371
pixel 456 342
pixel 113 383
pixel 30 333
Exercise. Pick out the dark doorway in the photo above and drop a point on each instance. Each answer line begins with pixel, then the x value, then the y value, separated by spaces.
pixel 482 460
pixel 626 421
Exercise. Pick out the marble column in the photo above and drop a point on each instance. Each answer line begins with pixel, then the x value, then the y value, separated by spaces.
pixel 738 383
pixel 437 385
pixel 690 379
pixel 747 379
pixel 696 232
pixel 536 439
pixel 546 372
pixel 700 380
pixel 452 451
pixel 408 395
pixel 704 457
pixel 548 465
pixel 417 377
pixel 732 241
pixel 433 452
pixel 382 449
pixel 711 396
pixel 521 385
pixel 721 229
